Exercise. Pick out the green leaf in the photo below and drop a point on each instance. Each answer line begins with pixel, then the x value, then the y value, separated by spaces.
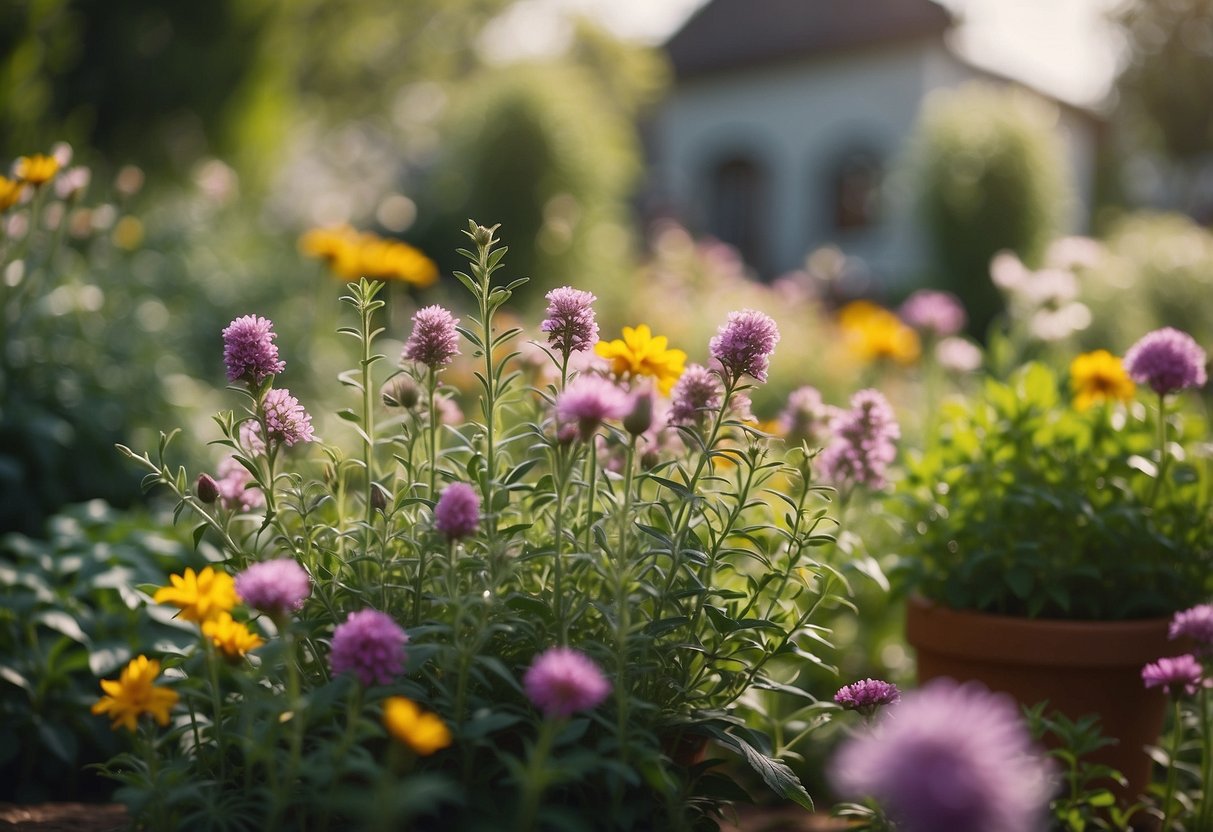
pixel 776 774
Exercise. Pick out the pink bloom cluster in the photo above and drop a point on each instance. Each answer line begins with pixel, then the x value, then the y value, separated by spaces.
pixel 434 341
pixel 274 587
pixel 249 351
pixel 939 313
pixel 285 419
pixel 867 696
pixel 743 345
pixel 233 482
pixel 587 401
pixel 862 448
pixel 570 322
pixel 1174 674
pixel 457 513
pixel 696 393
pixel 1167 360
pixel 370 645
pixel 562 681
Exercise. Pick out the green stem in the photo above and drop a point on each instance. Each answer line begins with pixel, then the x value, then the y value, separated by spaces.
pixel 212 666
pixel 1168 800
pixel 536 776
pixel 1206 760
pixel 561 474
pixel 1163 456
pixel 623 623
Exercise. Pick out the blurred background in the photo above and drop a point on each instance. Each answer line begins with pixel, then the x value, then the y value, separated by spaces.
pixel 678 158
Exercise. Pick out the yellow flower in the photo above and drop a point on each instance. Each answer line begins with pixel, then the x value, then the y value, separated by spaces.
pixel 201 597
pixel 351 255
pixel 422 731
pixel 132 695
pixel 230 636
pixel 641 354
pixel 338 246
pixel 37 169
pixel 10 192
pixel 1099 377
pixel 873 332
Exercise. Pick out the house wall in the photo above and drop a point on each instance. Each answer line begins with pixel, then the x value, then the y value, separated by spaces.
pixel 796 121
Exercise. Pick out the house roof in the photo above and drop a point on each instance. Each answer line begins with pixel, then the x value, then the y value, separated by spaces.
pixel 734 34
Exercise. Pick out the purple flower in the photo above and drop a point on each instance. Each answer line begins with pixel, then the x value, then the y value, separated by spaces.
pixel 745 343
pixel 370 645
pixel 806 418
pixel 434 341
pixel 696 393
pixel 949 757
pixel 1195 624
pixel 457 513
pixel 587 401
pixel 285 419
pixel 562 681
pixel 1174 674
pixel 234 493
pixel 867 696
pixel 1167 360
pixel 570 322
pixel 249 350
pixel 863 442
pixel 958 355
pixel 250 436
pixel 274 586
pixel 939 313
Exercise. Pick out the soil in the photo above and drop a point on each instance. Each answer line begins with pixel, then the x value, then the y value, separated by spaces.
pixel 64 817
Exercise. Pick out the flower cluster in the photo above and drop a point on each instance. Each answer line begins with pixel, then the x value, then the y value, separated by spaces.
pixel 562 682
pixel 285 419
pixel 863 444
pixel 457 513
pixel 588 401
pixel 867 696
pixel 697 393
pixel 274 587
pixel 434 340
pixel 370 645
pixel 570 323
pixel 939 314
pixel 249 351
pixel 743 345
pixel 1167 361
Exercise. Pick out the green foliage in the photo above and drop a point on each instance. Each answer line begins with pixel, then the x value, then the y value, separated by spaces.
pixel 70 611
pixel 1026 506
pixel 991 176
pixel 692 579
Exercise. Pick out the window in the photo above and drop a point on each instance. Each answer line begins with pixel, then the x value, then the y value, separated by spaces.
pixel 737 213
pixel 855 190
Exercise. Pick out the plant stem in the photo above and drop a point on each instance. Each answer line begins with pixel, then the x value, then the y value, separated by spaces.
pixel 623 624
pixel 1173 758
pixel 536 776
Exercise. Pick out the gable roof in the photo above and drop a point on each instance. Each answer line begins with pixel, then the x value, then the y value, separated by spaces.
pixel 733 34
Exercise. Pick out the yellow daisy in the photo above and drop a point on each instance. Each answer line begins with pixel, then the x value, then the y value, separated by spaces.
pixel 10 192
pixel 200 596
pixel 639 353
pixel 422 731
pixel 232 637
pixel 873 333
pixel 132 695
pixel 1099 376
pixel 37 170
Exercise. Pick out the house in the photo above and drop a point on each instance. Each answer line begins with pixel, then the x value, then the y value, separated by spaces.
pixel 788 119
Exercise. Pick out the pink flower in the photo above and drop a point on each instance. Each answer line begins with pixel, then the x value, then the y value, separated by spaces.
pixel 1167 360
pixel 371 646
pixel 457 513
pixel 285 418
pixel 233 482
pixel 249 351
pixel 1174 674
pixel 562 681
pixel 745 343
pixel 863 444
pixel 939 313
pixel 434 341
pixel 867 696
pixel 588 401
pixel 274 586
pixel 570 322
pixel 696 393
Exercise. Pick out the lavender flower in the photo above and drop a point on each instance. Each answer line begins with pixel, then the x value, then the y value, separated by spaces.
pixel 249 350
pixel 863 442
pixel 285 419
pixel 457 513
pixel 958 355
pixel 867 696
pixel 1167 360
pixel 1174 674
pixel 562 681
pixel 250 436
pixel 939 313
pixel 697 392
pixel 234 493
pixel 274 586
pixel 370 645
pixel 745 343
pixel 950 757
pixel 587 401
pixel 570 322
pixel 806 417
pixel 434 341
pixel 1195 624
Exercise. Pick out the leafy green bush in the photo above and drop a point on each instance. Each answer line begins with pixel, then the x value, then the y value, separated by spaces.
pixel 991 176
pixel 71 610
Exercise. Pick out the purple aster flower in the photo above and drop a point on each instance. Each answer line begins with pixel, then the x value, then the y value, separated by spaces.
pixel 806 418
pixel 1167 360
pixel 1195 624
pixel 457 513
pixel 370 645
pixel 862 448
pixel 867 696
pixel 249 350
pixel 274 586
pixel 562 681
pixel 587 401
pixel 696 393
pixel 1174 674
pixel 233 482
pixel 570 322
pixel 745 343
pixel 285 418
pixel 939 313
pixel 950 757
pixel 434 341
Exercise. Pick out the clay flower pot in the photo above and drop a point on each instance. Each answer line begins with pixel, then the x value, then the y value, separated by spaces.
pixel 1080 667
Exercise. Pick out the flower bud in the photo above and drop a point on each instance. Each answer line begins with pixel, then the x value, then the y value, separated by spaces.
pixel 206 489
pixel 482 236
pixel 401 391
pixel 378 497
pixel 566 433
pixel 640 418
pixel 649 459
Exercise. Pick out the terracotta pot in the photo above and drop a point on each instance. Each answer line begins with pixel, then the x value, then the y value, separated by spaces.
pixel 1081 667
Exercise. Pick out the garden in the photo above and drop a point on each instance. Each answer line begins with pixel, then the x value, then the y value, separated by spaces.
pixel 390 474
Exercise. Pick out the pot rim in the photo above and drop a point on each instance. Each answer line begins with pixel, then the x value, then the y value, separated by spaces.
pixel 1041 641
